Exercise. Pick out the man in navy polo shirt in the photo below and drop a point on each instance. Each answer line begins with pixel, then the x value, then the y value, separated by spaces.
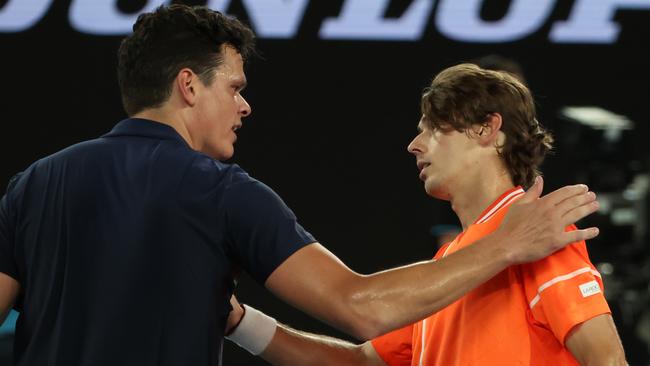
pixel 121 250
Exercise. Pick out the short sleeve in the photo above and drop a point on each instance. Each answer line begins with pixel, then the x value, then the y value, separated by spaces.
pixel 564 289
pixel 7 240
pixel 262 231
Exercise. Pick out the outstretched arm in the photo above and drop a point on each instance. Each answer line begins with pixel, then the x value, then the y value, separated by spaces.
pixel 366 306
pixel 291 347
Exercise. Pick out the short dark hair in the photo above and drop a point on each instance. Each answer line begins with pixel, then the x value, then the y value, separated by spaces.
pixel 169 39
pixel 465 95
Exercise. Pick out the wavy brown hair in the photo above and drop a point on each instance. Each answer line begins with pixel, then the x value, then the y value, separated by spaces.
pixel 464 96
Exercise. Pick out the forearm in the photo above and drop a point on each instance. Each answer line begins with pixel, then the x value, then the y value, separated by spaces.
pixel 262 336
pixel 387 300
pixel 291 347
pixel 402 296
pixel 366 306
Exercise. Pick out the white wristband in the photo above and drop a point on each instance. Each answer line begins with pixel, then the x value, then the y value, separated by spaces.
pixel 254 332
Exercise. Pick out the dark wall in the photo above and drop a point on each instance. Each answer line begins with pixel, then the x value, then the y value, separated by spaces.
pixel 331 119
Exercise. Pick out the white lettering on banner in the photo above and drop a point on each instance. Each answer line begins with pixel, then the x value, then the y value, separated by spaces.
pixel 103 17
pixel 276 18
pixel 591 21
pixel 362 19
pixel 461 20
pixel 220 5
pixel 20 15
pixel 270 18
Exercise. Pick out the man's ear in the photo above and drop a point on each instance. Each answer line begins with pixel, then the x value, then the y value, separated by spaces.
pixel 489 132
pixel 185 83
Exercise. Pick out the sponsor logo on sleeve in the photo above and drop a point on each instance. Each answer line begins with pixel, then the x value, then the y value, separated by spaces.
pixel 590 288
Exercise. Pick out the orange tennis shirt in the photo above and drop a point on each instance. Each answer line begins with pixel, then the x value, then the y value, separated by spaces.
pixel 520 317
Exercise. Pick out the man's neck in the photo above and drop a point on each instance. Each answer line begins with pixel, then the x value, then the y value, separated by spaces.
pixel 470 198
pixel 165 117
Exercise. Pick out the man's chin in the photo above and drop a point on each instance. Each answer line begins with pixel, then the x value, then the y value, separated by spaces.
pixel 220 154
pixel 435 192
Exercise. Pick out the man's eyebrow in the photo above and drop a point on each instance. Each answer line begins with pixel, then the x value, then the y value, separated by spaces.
pixel 241 84
pixel 420 128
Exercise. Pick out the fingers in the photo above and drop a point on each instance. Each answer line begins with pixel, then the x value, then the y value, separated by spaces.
pixel 561 194
pixel 580 212
pixel 574 202
pixel 578 235
pixel 534 191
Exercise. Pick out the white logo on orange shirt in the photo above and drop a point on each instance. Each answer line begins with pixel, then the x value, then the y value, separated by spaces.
pixel 589 288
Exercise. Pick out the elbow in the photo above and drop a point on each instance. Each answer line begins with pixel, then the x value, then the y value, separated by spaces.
pixel 366 320
pixel 366 330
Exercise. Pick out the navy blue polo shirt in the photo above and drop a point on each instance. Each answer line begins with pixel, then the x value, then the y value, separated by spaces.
pixel 125 248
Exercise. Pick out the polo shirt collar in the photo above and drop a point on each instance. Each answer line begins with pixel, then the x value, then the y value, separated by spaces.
pixel 504 200
pixel 145 128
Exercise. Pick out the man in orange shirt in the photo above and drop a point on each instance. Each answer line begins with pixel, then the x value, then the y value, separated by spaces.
pixel 479 145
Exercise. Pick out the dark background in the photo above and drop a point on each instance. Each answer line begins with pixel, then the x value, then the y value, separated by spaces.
pixel 330 125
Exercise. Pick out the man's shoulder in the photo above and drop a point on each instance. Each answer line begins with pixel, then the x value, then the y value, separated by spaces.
pixel 82 150
pixel 567 262
pixel 204 168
